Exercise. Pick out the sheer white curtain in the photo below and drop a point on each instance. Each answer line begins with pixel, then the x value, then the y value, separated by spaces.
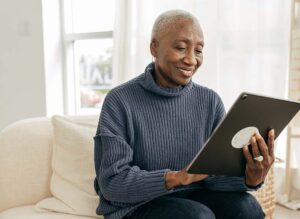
pixel 246 44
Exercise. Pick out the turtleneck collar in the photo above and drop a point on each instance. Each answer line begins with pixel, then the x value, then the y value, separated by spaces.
pixel 149 84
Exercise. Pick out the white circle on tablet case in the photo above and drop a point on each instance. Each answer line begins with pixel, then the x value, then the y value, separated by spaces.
pixel 242 137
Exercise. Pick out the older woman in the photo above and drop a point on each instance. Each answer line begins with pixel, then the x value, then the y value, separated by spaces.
pixel 151 127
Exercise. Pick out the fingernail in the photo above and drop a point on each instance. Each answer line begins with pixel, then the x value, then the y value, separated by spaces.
pixel 272 132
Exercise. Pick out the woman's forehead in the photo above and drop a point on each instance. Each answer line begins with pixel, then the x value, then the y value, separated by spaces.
pixel 183 31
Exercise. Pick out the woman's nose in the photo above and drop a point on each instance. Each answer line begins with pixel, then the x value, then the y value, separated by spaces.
pixel 190 58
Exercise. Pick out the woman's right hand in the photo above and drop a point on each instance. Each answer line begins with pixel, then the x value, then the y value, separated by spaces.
pixel 182 177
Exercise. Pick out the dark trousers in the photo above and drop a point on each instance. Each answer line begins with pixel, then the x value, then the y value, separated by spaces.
pixel 201 204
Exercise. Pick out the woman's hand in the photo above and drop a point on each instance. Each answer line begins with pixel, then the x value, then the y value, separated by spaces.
pixel 182 177
pixel 261 159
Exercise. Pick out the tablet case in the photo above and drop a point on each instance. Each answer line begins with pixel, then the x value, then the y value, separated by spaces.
pixel 218 156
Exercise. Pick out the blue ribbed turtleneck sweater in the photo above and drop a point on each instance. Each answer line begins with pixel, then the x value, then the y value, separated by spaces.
pixel 144 131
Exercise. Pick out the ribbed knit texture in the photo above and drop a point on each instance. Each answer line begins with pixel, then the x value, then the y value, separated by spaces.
pixel 145 131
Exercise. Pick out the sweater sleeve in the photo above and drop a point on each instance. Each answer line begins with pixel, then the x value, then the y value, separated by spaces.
pixel 117 180
pixel 219 111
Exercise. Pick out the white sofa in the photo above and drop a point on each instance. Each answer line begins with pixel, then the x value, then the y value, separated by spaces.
pixel 35 153
pixel 26 153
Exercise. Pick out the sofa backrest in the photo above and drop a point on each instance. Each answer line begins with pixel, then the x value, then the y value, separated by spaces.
pixel 25 154
pixel 25 160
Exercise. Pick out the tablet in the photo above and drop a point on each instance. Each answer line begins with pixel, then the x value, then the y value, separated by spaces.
pixel 222 153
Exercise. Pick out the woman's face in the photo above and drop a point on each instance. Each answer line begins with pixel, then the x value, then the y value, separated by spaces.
pixel 178 54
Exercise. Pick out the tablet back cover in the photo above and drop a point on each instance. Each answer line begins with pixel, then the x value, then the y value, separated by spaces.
pixel 218 156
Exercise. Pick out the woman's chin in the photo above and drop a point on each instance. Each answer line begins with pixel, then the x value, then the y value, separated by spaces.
pixel 184 82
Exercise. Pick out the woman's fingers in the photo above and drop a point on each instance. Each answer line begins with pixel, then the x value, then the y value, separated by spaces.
pixel 199 177
pixel 248 155
pixel 271 137
pixel 255 149
pixel 256 170
pixel 263 148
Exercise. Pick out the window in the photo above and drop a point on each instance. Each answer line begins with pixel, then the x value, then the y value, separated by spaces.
pixel 88 45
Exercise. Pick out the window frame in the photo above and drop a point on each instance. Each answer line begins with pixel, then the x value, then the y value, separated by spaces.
pixel 71 83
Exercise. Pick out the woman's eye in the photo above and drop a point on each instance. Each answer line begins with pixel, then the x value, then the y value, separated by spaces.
pixel 180 48
pixel 198 51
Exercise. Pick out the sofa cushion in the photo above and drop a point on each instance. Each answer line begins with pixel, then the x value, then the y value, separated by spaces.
pixel 73 169
pixel 28 212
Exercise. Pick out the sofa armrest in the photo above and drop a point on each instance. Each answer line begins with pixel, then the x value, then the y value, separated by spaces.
pixel 25 168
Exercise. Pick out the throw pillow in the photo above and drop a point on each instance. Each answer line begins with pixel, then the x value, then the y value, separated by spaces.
pixel 73 169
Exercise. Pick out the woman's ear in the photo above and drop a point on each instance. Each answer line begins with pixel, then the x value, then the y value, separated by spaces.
pixel 153 47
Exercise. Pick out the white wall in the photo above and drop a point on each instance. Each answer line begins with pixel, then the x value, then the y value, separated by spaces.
pixel 22 80
pixel 53 57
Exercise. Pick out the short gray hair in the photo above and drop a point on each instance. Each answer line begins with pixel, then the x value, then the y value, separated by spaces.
pixel 168 18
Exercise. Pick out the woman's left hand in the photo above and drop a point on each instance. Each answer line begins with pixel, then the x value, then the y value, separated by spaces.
pixel 260 161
